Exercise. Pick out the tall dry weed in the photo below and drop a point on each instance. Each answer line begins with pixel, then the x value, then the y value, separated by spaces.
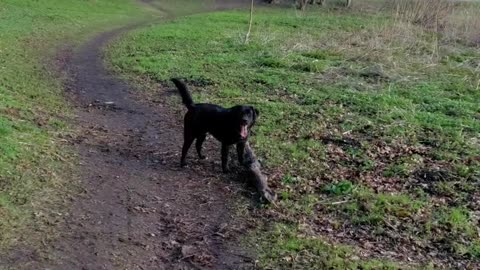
pixel 453 22
pixel 463 25
pixel 431 14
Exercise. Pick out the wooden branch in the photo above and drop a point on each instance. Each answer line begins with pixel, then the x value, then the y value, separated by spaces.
pixel 252 166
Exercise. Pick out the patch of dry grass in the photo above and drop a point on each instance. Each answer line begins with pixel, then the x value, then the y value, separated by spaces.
pixel 418 35
pixel 455 22
pixel 463 25
pixel 427 13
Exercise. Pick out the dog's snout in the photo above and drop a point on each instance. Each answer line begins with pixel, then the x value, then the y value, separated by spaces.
pixel 244 121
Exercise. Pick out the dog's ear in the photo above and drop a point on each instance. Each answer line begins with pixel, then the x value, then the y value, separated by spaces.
pixel 255 114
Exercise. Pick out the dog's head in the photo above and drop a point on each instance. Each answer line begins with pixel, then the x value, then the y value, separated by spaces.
pixel 246 117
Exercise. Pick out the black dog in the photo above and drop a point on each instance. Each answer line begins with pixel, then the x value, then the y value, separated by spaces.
pixel 229 126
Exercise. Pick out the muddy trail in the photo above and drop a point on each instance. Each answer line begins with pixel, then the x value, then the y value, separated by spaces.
pixel 138 208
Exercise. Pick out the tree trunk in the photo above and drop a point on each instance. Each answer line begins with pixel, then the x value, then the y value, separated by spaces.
pixel 247 36
pixel 349 3
pixel 302 4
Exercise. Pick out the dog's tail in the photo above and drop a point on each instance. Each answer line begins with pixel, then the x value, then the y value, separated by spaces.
pixel 183 89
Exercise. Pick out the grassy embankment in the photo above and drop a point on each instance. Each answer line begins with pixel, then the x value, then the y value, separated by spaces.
pixel 369 125
pixel 34 163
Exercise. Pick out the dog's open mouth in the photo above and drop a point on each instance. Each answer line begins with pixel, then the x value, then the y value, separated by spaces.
pixel 244 131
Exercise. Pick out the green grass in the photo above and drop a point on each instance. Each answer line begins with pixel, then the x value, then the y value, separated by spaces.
pixel 374 132
pixel 282 246
pixel 34 164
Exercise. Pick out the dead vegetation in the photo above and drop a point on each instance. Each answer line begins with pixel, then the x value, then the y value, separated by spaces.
pixel 452 21
pixel 427 13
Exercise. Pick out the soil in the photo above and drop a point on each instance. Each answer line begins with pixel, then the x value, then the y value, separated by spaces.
pixel 138 208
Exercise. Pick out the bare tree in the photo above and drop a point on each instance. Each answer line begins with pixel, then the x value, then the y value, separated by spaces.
pixel 247 36
pixel 302 4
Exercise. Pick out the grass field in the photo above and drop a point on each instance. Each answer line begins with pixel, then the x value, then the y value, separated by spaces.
pixel 34 163
pixel 369 128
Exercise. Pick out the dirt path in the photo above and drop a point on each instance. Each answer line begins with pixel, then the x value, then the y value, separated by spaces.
pixel 139 210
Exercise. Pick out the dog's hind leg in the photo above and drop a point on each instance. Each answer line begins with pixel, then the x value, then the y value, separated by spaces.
pixel 199 143
pixel 225 150
pixel 188 140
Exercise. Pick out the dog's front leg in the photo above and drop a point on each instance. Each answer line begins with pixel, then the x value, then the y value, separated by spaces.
pixel 225 150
